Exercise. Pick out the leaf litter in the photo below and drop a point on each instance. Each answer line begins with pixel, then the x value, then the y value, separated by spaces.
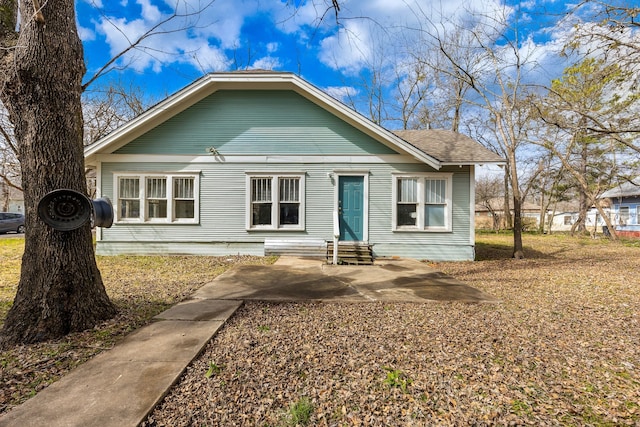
pixel 562 347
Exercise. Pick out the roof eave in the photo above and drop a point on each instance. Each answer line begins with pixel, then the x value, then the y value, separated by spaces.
pixel 474 163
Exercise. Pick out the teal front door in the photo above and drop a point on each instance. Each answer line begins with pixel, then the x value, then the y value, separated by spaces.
pixel 351 208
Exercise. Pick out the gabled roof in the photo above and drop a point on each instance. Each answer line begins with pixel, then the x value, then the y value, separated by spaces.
pixel 626 189
pixel 435 149
pixel 449 147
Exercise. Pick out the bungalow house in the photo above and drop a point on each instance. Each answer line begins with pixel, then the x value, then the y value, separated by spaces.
pixel 240 162
pixel 625 208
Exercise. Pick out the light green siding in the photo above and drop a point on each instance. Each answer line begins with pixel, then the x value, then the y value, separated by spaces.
pixel 255 122
pixel 222 227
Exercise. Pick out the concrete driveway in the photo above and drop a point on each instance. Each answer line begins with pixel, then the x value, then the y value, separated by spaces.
pixel 303 279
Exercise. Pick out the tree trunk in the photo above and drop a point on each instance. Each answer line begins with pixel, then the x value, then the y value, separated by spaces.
pixel 583 197
pixel 543 211
pixel 60 289
pixel 518 249
pixel 613 235
pixel 508 221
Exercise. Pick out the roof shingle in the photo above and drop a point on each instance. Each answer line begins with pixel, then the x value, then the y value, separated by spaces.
pixel 449 147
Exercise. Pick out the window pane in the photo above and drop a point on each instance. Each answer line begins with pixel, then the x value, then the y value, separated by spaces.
pixel 184 200
pixel 129 208
pixel 407 214
pixel 156 188
pixel 185 209
pixel 157 208
pixel 434 216
pixel 261 214
pixel 289 189
pixel 624 213
pixel 407 190
pixel 129 188
pixel 435 190
pixel 183 188
pixel 261 189
pixel 156 197
pixel 289 213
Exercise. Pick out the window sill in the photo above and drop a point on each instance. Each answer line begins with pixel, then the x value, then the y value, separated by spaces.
pixel 274 229
pixel 139 222
pixel 422 230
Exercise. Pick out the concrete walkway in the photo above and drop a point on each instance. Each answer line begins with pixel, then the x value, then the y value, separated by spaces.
pixel 120 387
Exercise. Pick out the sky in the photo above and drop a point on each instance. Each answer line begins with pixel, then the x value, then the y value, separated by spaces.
pixel 300 36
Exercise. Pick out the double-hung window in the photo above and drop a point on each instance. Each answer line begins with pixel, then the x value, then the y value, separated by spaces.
pixel 422 202
pixel 128 197
pixel 156 198
pixel 624 215
pixel 275 201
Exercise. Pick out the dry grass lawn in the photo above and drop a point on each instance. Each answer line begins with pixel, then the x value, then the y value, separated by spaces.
pixel 141 287
pixel 562 348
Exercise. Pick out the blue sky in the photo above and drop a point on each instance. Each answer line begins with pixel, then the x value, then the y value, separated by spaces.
pixel 286 35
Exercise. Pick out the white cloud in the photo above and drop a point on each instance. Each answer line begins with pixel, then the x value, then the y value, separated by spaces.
pixel 363 23
pixel 208 59
pixel 86 34
pixel 272 47
pixel 348 50
pixel 150 13
pixel 341 93
pixel 267 63
pixel 198 39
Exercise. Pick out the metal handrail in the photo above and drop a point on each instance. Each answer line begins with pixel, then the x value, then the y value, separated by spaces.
pixel 336 236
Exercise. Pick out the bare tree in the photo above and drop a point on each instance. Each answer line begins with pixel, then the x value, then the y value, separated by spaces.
pixel 109 106
pixel 448 60
pixel 495 79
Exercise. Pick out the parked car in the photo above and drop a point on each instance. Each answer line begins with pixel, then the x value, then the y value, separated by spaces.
pixel 11 222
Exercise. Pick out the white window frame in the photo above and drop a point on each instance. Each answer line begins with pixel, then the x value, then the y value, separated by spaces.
pixel 275 202
pixel 623 218
pixel 420 220
pixel 143 217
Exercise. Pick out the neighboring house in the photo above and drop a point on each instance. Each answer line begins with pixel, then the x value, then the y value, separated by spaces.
pixel 236 160
pixel 530 214
pixel 11 199
pixel 625 208
pixel 563 220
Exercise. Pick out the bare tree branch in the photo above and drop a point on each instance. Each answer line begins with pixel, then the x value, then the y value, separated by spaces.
pixel 154 30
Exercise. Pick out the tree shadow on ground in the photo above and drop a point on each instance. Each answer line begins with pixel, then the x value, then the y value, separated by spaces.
pixel 497 251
